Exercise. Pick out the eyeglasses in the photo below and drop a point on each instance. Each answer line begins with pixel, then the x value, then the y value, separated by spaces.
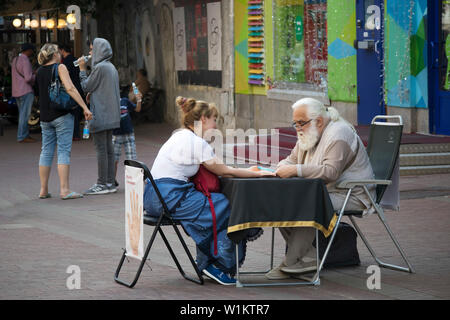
pixel 300 124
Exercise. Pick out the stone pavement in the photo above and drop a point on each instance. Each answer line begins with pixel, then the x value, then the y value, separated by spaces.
pixel 41 239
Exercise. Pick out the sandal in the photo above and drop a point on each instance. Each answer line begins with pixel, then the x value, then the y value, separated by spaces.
pixel 72 195
pixel 45 196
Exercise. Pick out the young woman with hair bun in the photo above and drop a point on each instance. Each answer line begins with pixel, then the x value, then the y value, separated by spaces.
pixel 177 161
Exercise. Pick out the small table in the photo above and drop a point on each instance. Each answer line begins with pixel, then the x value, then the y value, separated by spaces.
pixel 276 202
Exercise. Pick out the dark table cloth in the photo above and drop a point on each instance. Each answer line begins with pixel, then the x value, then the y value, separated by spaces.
pixel 276 202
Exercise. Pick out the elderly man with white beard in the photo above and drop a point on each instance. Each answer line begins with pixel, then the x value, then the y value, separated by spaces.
pixel 328 148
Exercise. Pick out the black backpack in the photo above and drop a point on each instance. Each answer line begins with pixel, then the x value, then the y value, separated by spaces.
pixel 343 251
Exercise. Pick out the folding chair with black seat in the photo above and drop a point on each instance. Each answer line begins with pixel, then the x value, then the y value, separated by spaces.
pixel 165 219
pixel 383 151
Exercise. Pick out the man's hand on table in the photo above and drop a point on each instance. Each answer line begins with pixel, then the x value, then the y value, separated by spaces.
pixel 287 171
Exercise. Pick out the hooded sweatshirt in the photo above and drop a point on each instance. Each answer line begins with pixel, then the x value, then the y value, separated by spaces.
pixel 103 85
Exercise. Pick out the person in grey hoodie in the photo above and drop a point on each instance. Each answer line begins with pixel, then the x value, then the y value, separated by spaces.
pixel 102 86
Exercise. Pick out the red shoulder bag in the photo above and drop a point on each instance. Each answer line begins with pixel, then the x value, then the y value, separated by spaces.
pixel 206 182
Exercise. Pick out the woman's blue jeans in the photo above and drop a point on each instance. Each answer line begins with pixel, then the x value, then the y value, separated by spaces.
pixel 56 134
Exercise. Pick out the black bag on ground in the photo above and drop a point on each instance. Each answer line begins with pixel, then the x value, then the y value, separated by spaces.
pixel 343 252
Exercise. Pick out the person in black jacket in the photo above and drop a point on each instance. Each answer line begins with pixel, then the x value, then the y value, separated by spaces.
pixel 67 59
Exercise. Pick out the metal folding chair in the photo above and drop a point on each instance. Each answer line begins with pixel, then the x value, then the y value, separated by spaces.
pixel 165 219
pixel 383 151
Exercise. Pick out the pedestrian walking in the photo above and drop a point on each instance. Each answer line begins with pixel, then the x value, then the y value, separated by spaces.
pixel 102 85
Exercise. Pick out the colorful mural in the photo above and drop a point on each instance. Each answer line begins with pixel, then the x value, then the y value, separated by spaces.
pixel 300 33
pixel 316 51
pixel 256 42
pixel 406 53
pixel 289 58
pixel 405 69
pixel 341 53
pixel 241 49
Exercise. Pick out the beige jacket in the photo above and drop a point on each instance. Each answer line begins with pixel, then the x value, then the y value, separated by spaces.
pixel 339 155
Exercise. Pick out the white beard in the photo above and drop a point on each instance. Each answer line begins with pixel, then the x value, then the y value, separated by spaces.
pixel 308 139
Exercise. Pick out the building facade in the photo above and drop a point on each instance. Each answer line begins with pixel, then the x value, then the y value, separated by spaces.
pixel 40 22
pixel 364 57
pixel 254 58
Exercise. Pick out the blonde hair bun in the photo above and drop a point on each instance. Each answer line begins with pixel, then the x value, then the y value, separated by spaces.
pixel 46 53
pixel 186 104
pixel 193 110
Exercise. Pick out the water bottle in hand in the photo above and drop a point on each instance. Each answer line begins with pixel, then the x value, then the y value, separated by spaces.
pixel 86 130
pixel 135 88
pixel 86 59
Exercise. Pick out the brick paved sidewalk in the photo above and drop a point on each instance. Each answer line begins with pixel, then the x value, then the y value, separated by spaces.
pixel 40 239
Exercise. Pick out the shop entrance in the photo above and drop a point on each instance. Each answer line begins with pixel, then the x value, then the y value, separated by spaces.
pixel 439 66
pixel 369 45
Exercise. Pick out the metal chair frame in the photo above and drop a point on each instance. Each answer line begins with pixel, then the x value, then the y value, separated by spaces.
pixel 382 184
pixel 165 219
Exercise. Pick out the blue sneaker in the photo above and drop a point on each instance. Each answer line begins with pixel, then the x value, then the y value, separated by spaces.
pixel 221 277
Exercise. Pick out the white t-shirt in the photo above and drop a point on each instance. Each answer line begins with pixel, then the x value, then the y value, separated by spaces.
pixel 180 157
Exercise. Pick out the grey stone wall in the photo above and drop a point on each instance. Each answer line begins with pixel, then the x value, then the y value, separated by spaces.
pixel 414 119
pixel 222 97
pixel 141 33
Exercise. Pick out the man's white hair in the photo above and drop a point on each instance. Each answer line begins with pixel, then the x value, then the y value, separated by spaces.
pixel 315 108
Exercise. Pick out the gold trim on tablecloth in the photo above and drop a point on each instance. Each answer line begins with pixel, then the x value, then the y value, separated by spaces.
pixel 283 224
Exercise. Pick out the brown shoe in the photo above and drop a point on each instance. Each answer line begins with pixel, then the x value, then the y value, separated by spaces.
pixel 277 274
pixel 27 140
pixel 301 267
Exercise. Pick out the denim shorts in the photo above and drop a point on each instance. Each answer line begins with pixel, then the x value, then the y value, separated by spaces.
pixel 56 134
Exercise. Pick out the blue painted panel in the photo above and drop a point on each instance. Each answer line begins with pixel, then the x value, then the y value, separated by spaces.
pixel 370 76
pixel 438 97
pixel 444 115
pixel 340 49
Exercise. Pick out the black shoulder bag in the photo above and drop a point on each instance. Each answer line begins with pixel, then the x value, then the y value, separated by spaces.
pixel 59 99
